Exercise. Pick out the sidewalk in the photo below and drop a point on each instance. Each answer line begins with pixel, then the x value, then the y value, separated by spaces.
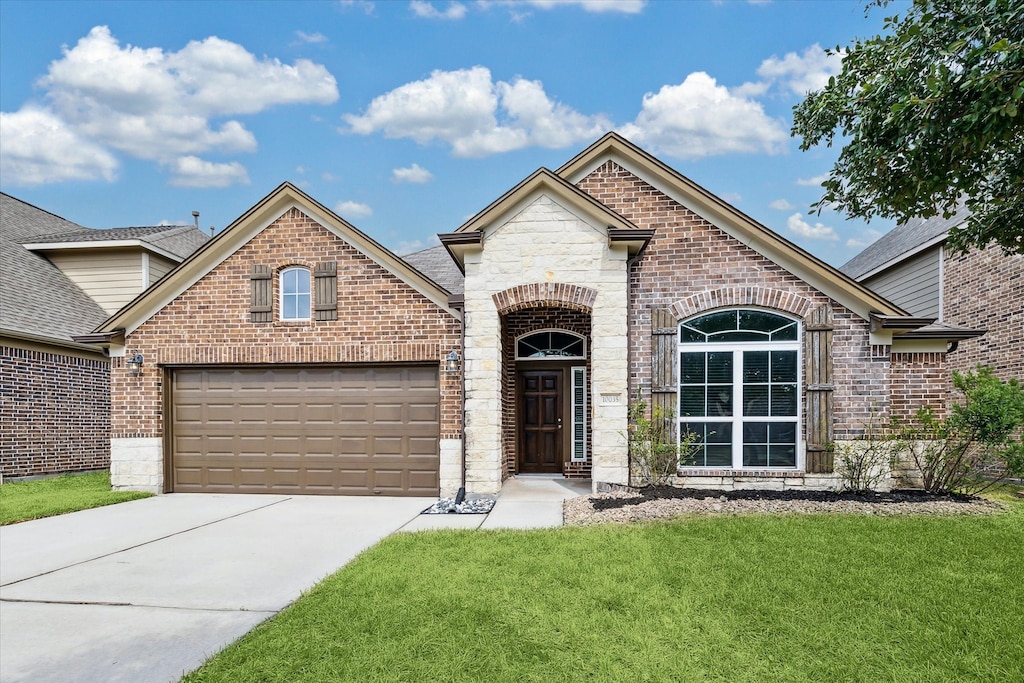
pixel 525 502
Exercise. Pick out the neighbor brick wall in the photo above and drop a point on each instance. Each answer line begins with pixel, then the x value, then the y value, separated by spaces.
pixel 515 324
pixel 54 413
pixel 380 319
pixel 691 259
pixel 984 289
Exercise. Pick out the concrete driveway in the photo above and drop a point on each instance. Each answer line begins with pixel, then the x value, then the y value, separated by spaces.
pixel 147 590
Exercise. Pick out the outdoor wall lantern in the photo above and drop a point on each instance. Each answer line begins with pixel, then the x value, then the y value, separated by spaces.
pixel 451 362
pixel 134 364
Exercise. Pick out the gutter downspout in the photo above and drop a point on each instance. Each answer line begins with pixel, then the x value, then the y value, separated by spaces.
pixel 630 262
pixel 461 495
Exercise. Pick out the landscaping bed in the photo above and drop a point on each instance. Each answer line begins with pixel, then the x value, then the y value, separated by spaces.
pixel 667 502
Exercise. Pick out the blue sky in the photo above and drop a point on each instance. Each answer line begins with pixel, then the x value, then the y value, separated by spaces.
pixel 409 117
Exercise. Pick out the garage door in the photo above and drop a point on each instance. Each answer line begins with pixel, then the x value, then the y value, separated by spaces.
pixel 325 430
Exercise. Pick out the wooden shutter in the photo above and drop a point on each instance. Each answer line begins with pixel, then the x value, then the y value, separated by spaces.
pixel 261 305
pixel 664 355
pixel 326 280
pixel 820 389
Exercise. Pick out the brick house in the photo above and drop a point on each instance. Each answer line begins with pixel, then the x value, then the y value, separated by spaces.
pixel 981 290
pixel 59 280
pixel 292 353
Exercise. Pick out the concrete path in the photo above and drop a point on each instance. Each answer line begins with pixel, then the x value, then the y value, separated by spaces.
pixel 147 590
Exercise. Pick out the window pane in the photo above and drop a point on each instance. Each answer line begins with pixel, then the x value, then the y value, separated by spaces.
pixel 720 401
pixel 302 306
pixel 715 322
pixel 761 321
pixel 687 335
pixel 755 366
pixel 783 432
pixel 783 366
pixel 691 368
pixel 289 308
pixel 782 456
pixel 755 432
pixel 755 456
pixel 719 456
pixel 784 398
pixel 739 336
pixel 718 432
pixel 787 333
pixel 301 281
pixel 755 399
pixel 691 401
pixel 720 368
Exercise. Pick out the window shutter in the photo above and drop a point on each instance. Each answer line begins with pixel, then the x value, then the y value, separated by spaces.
pixel 261 306
pixel 664 355
pixel 326 277
pixel 820 389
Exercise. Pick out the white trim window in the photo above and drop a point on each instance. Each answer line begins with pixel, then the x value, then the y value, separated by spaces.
pixel 295 294
pixel 739 389
pixel 551 345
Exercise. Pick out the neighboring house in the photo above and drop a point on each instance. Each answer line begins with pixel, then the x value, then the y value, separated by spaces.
pixel 981 290
pixel 293 354
pixel 59 280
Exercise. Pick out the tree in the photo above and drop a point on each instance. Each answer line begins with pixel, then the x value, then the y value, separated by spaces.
pixel 931 113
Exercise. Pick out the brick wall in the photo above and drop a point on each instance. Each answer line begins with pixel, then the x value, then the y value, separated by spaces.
pixel 918 380
pixel 380 319
pixel 985 290
pixel 691 259
pixel 54 413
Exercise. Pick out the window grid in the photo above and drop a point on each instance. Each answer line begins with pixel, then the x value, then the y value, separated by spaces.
pixel 295 294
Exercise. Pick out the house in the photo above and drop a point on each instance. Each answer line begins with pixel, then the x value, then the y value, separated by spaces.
pixel 294 354
pixel 981 290
pixel 59 280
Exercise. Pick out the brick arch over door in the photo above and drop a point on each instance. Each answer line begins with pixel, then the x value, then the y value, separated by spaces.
pixel 545 295
pixel 727 297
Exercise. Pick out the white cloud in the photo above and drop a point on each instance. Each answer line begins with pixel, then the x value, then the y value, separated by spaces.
pixel 316 37
pixel 165 106
pixel 328 177
pixel 802 73
pixel 300 169
pixel 350 209
pixel 798 226
pixel 39 148
pixel 426 10
pixel 731 197
pixel 867 237
pixel 191 171
pixel 412 174
pixel 780 205
pixel 700 118
pixel 365 5
pixel 596 6
pixel 462 108
pixel 409 246
pixel 816 181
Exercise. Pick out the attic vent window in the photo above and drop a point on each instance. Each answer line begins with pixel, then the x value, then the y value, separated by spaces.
pixel 550 344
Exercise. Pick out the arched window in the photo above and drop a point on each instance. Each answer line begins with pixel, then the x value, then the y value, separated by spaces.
pixel 554 344
pixel 295 294
pixel 739 389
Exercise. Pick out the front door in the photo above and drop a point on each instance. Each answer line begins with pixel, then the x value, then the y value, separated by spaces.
pixel 540 421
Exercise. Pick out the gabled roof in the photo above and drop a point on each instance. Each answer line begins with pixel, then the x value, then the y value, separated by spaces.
pixel 436 264
pixel 614 147
pixel 903 241
pixel 37 300
pixel 285 197
pixel 175 242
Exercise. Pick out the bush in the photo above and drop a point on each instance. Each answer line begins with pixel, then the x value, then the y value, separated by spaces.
pixel 978 444
pixel 862 465
pixel 654 451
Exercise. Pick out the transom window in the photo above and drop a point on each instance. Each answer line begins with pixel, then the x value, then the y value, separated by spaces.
pixel 739 389
pixel 559 344
pixel 295 294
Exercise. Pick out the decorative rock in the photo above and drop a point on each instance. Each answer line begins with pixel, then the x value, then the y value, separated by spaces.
pixel 470 506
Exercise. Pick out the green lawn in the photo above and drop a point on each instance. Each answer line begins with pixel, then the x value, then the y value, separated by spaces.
pixel 753 598
pixel 24 500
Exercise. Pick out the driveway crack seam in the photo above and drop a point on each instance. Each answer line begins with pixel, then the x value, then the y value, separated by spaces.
pixel 139 545
pixel 101 603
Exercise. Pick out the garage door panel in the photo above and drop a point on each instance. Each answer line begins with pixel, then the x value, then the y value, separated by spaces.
pixel 334 430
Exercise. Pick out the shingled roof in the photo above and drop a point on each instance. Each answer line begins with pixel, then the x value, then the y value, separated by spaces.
pixel 437 264
pixel 177 240
pixel 905 238
pixel 37 299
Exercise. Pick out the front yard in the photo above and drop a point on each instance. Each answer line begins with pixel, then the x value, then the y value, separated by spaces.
pixel 24 500
pixel 730 598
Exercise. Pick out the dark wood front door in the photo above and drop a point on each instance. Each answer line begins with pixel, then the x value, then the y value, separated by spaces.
pixel 540 421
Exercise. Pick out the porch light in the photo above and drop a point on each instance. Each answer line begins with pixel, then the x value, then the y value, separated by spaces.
pixel 451 361
pixel 134 364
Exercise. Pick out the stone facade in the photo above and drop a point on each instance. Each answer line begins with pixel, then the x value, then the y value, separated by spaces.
pixel 54 413
pixel 984 289
pixel 381 319
pixel 549 251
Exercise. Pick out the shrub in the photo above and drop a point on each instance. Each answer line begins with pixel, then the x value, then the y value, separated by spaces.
pixel 653 449
pixel 862 465
pixel 978 444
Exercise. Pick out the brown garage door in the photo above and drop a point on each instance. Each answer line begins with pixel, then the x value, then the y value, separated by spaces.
pixel 326 430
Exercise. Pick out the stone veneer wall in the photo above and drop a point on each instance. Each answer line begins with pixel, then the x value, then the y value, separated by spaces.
pixel 985 290
pixel 380 319
pixel 516 324
pixel 689 258
pixel 545 247
pixel 54 413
